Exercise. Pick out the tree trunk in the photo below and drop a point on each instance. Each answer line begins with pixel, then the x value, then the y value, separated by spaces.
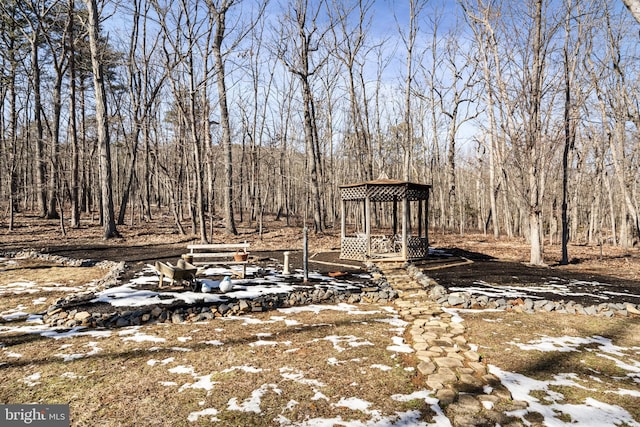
pixel 108 216
pixel 568 145
pixel 534 154
pixel 220 14
pixel 75 182
pixel 41 194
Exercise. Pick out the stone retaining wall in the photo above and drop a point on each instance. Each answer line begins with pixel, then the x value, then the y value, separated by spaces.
pixel 75 310
pixel 439 294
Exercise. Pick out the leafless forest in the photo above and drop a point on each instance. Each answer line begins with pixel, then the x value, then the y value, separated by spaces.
pixel 522 115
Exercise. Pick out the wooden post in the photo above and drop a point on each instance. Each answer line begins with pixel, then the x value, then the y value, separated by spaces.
pixel 395 215
pixel 285 263
pixel 405 225
pixel 343 220
pixel 367 223
pixel 419 218
pixel 305 254
pixel 426 221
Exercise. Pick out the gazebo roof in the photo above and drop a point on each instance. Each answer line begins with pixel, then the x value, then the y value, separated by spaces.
pixel 385 190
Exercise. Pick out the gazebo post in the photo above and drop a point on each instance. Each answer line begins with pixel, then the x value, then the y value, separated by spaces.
pixel 343 220
pixel 419 218
pixel 367 223
pixel 426 223
pixel 395 216
pixel 405 225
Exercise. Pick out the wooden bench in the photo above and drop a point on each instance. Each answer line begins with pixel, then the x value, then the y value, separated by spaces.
pixel 219 254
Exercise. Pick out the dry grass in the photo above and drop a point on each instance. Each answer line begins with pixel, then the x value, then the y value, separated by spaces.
pixel 45 282
pixel 496 334
pixel 122 383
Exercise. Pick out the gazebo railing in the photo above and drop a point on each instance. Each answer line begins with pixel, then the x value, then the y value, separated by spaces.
pixel 417 247
pixel 353 247
pixel 382 246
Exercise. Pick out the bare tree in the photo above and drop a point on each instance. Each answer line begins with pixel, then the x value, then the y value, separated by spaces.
pixel 353 22
pixel 624 103
pixel 144 86
pixel 571 50
pixel 33 13
pixel 73 125
pixel 634 8
pixel 409 40
pixel 102 122
pixel 301 39
pixel 459 105
pixel 219 9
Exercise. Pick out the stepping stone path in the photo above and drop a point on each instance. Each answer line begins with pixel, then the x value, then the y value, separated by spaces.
pixel 468 393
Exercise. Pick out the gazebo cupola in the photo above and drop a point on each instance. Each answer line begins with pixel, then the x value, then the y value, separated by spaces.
pixel 388 220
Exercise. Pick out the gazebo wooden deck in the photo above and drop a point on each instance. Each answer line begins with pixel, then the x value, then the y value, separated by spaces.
pixel 384 242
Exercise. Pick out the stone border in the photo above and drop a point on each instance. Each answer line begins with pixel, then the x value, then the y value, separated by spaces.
pixel 115 269
pixel 439 294
pixel 73 311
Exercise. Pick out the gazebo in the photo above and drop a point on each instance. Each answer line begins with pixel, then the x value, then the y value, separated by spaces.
pixel 375 232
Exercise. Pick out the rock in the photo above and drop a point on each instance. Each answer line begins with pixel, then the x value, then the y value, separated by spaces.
pixel 82 316
pixel 501 392
pixel 71 323
pixel 204 316
pixel 461 341
pixel 453 355
pixel 472 356
pixel 591 310
pixel 537 305
pixel 443 342
pixel 445 396
pixel 470 420
pixel 427 354
pixel 437 292
pixel 121 322
pixel 517 405
pixel 482 300
pixel 53 310
pixel 420 346
pixel 469 383
pixel 426 367
pixel 632 309
pixel 177 318
pixel 243 306
pixel 457 298
pixel 488 398
pixel 434 385
pixel 479 367
pixel 517 301
pixel 528 304
pixel 466 403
